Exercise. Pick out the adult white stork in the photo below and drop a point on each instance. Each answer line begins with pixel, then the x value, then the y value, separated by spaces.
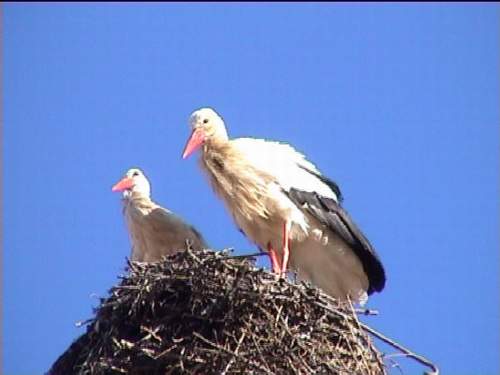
pixel 154 230
pixel 285 205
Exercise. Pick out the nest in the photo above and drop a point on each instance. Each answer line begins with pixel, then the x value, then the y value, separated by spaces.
pixel 209 313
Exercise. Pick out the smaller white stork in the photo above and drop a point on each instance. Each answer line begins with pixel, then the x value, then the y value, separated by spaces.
pixel 285 205
pixel 154 230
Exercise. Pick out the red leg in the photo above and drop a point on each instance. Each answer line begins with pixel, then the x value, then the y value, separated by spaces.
pixel 286 246
pixel 274 259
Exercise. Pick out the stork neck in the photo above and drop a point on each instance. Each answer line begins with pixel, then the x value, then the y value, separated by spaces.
pixel 215 144
pixel 134 197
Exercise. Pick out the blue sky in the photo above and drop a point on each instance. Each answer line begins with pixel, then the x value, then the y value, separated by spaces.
pixel 397 103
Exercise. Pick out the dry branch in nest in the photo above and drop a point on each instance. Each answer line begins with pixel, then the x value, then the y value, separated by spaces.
pixel 209 313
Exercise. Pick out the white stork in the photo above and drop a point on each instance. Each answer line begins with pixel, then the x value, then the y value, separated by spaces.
pixel 154 230
pixel 284 204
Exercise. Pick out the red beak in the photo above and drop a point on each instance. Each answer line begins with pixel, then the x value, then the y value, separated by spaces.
pixel 123 184
pixel 195 141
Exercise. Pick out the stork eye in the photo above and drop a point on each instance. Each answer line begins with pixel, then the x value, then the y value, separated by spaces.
pixel 205 121
pixel 135 174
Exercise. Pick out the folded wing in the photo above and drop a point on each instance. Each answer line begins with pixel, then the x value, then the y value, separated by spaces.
pixel 333 217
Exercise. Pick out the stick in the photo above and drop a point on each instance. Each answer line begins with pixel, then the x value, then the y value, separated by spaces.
pixel 366 311
pixel 221 348
pixel 246 255
pixel 422 360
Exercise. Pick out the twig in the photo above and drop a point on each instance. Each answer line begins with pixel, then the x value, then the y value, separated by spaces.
pixel 356 321
pixel 230 352
pixel 394 364
pixel 81 323
pixel 366 312
pixel 422 360
pixel 242 337
pixel 246 255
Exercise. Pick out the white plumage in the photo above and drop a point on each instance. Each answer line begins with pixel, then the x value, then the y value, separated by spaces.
pixel 281 202
pixel 289 167
pixel 154 230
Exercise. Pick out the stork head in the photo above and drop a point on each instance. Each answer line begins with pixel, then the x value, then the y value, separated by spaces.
pixel 206 125
pixel 134 181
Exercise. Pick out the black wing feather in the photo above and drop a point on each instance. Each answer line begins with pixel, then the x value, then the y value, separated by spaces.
pixel 331 184
pixel 332 215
